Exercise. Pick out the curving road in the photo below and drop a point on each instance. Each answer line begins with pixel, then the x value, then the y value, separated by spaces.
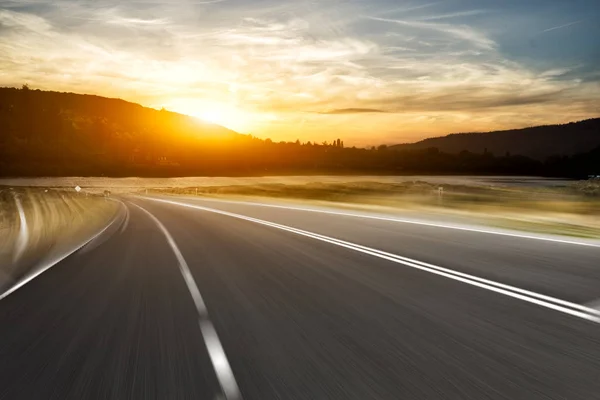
pixel 202 299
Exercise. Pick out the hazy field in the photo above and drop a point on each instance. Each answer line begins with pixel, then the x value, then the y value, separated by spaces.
pixel 555 206
pixel 133 183
pixel 572 208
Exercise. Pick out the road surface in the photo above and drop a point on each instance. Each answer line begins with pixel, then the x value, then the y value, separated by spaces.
pixel 201 299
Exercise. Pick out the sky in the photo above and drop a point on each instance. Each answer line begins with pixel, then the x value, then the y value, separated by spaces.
pixel 366 71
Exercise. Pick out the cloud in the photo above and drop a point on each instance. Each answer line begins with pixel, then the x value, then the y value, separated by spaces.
pixel 353 111
pixel 458 14
pixel 411 8
pixel 562 26
pixel 460 32
pixel 32 23
pixel 130 22
pixel 555 72
pixel 470 99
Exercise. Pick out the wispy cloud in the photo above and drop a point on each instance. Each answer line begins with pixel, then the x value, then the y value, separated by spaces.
pixel 408 9
pixel 562 26
pixel 461 32
pixel 137 21
pixel 354 111
pixel 459 14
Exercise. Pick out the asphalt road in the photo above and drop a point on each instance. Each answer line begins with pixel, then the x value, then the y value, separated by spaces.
pixel 302 316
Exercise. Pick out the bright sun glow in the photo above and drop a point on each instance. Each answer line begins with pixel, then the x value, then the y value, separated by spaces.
pixel 216 113
pixel 216 116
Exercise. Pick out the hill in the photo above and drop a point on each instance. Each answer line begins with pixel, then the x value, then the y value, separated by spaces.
pixel 537 142
pixel 47 132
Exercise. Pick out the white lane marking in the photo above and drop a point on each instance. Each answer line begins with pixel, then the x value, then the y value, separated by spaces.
pixel 98 241
pixel 408 221
pixel 52 262
pixel 594 305
pixel 219 360
pixel 126 221
pixel 563 306
pixel 183 267
pixel 211 339
pixel 23 237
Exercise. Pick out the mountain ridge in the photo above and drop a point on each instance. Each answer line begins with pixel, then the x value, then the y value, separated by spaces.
pixel 538 142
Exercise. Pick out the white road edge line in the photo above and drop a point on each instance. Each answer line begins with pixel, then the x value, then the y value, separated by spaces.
pixel 52 262
pixel 126 221
pixel 211 339
pixel 563 306
pixel 23 237
pixel 408 221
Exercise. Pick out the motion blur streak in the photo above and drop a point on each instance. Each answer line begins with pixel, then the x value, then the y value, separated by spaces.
pixel 53 259
pixel 589 314
pixel 23 231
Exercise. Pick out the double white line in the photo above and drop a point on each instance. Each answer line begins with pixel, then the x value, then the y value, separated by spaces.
pixel 563 306
pixel 413 222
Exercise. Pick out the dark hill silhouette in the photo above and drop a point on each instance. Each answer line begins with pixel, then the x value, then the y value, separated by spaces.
pixel 66 134
pixel 123 114
pixel 537 142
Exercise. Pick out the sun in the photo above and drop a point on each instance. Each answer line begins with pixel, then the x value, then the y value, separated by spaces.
pixel 217 113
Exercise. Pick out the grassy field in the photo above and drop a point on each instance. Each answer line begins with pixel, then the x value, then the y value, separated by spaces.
pixel 572 210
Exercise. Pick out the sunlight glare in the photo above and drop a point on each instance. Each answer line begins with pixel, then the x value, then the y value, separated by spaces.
pixel 217 113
